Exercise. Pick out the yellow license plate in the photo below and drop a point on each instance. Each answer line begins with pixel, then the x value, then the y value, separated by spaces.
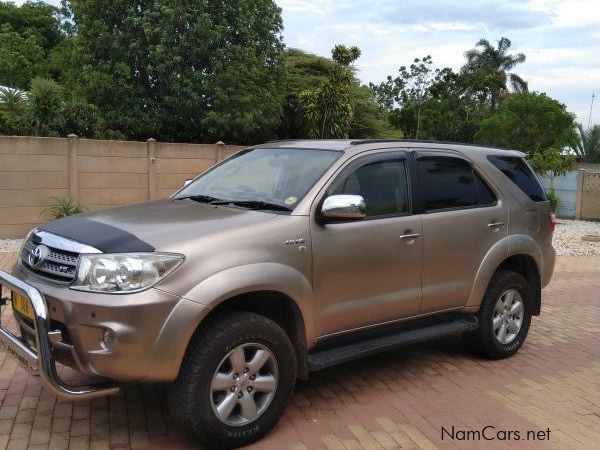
pixel 22 305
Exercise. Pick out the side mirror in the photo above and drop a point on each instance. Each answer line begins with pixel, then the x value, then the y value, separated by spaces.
pixel 188 181
pixel 350 207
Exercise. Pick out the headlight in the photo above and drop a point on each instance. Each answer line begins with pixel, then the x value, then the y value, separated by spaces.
pixel 122 273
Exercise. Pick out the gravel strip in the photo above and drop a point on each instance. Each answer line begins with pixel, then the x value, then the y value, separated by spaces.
pixel 567 238
pixel 10 245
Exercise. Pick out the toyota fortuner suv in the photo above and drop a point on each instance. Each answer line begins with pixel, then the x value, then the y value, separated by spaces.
pixel 285 258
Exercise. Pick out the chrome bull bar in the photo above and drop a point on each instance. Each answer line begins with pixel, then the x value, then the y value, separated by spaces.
pixel 41 361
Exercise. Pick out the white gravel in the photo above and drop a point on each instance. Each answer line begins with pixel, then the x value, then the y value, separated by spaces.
pixel 567 239
pixel 10 245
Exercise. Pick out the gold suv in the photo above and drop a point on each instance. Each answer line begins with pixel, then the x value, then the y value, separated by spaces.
pixel 287 257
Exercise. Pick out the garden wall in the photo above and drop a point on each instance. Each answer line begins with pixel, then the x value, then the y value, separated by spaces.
pixel 97 174
pixel 579 191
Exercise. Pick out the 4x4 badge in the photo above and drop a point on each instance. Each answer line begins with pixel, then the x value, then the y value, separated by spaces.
pixel 294 241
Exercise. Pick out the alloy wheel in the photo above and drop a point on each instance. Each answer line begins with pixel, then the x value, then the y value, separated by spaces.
pixel 244 384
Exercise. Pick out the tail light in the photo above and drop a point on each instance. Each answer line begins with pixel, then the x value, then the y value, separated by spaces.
pixel 552 219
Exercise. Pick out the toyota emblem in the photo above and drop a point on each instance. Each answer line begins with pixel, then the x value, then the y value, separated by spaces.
pixel 37 256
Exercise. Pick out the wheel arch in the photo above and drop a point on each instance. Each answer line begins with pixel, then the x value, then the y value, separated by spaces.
pixel 526 266
pixel 281 309
pixel 276 291
pixel 518 253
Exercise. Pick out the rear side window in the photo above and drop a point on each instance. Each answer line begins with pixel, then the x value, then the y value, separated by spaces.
pixel 519 172
pixel 485 195
pixel 447 182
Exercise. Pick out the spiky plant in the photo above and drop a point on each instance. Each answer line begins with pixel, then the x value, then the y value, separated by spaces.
pixel 588 147
pixel 62 208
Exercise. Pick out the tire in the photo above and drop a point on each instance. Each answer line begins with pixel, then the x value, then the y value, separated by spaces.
pixel 211 360
pixel 488 340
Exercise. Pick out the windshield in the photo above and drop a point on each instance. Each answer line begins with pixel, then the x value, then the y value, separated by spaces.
pixel 263 176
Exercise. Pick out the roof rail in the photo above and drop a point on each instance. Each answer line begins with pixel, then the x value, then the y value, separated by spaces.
pixel 426 141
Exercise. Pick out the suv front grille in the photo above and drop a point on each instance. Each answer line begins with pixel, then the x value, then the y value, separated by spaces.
pixel 58 264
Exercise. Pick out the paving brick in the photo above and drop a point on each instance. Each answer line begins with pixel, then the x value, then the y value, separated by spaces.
pixel 17 444
pixel 399 399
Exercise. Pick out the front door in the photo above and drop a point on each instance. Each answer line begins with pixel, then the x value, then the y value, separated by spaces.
pixel 368 271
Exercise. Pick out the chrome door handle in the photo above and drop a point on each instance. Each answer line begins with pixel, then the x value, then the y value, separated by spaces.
pixel 495 224
pixel 410 236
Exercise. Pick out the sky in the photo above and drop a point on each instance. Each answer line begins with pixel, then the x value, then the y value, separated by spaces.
pixel 561 38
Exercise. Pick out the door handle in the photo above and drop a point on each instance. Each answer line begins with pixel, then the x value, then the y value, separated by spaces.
pixel 410 236
pixel 494 224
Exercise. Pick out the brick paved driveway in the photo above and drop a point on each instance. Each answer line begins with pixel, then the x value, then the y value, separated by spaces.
pixel 400 399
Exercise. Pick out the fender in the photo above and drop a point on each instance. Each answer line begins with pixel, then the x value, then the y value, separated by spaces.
pixel 200 300
pixel 518 244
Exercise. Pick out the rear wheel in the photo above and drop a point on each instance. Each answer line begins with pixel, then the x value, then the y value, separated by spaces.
pixel 236 379
pixel 504 317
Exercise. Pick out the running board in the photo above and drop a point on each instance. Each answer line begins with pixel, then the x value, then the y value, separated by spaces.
pixel 338 355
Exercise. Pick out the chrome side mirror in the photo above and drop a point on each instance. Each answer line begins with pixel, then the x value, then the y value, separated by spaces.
pixel 188 181
pixel 344 207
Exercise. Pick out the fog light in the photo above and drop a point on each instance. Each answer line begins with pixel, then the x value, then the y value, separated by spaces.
pixel 108 339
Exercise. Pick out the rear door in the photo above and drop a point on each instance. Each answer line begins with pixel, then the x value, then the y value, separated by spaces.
pixel 463 218
pixel 532 209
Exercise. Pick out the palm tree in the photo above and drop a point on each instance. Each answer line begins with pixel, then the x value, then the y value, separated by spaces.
pixel 588 147
pixel 498 62
pixel 12 101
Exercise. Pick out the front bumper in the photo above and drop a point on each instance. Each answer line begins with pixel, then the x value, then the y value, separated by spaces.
pixel 40 360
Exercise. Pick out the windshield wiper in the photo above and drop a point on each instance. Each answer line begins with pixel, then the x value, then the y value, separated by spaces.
pixel 252 204
pixel 200 198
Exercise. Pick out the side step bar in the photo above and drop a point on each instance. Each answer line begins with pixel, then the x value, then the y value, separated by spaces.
pixel 337 355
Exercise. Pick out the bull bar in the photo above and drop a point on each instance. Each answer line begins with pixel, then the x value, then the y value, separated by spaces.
pixel 41 361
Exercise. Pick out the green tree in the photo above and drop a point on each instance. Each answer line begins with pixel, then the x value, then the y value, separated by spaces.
pixel 453 109
pixel 404 96
pixel 34 17
pixel 193 70
pixel 552 163
pixel 434 103
pixel 531 122
pixel 587 146
pixel 302 71
pixel 328 109
pixel 367 119
pixel 498 62
pixel 305 71
pixel 84 120
pixel 45 107
pixel 28 35
pixel 21 57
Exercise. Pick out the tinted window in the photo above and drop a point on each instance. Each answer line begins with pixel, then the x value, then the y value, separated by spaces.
pixel 382 184
pixel 447 182
pixel 517 170
pixel 485 196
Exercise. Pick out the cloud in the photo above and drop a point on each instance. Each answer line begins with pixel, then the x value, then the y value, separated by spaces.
pixel 490 14
pixel 561 38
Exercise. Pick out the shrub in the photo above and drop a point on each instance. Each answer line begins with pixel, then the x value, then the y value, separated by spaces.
pixel 63 208
pixel 554 200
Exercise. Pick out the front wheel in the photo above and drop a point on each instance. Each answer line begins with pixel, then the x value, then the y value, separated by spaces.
pixel 504 317
pixel 236 379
